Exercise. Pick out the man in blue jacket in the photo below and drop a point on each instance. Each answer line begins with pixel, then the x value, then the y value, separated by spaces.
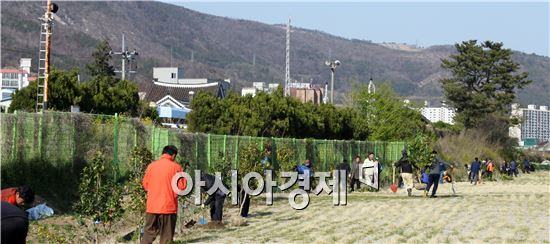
pixel 474 169
pixel 513 168
pixel 435 171
pixel 526 166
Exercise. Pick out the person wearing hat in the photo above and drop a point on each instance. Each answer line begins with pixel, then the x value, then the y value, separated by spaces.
pixel 18 196
pixel 15 222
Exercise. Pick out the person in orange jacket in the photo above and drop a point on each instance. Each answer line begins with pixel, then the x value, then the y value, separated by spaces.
pixel 490 169
pixel 162 201
pixel 18 196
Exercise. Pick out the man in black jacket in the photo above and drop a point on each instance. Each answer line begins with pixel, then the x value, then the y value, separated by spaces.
pixel 406 167
pixel 215 200
pixel 345 167
pixel 15 224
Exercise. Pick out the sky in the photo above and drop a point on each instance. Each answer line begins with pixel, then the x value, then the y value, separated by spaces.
pixel 522 26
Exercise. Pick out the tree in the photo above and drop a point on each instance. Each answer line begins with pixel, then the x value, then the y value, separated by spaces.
pixel 101 64
pixel 420 148
pixel 109 95
pixel 100 200
pixel 147 112
pixel 64 91
pixel 269 115
pixel 206 110
pixel 484 80
pixel 384 116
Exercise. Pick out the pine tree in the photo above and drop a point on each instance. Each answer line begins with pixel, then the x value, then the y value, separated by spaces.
pixel 484 80
pixel 101 64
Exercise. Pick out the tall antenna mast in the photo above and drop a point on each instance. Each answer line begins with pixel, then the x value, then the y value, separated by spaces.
pixel 287 63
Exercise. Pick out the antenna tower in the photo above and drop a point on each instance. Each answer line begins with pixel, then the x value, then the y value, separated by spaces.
pixel 287 63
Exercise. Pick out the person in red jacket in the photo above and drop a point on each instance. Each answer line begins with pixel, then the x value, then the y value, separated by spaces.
pixel 162 201
pixel 18 196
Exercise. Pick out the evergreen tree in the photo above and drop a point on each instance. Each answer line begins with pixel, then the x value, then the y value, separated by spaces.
pixel 383 116
pixel 101 64
pixel 63 92
pixel 484 80
pixel 109 95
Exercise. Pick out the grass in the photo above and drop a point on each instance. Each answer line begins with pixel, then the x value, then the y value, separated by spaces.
pixel 518 212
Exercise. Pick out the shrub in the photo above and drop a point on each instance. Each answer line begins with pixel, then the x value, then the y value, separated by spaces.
pixel 100 201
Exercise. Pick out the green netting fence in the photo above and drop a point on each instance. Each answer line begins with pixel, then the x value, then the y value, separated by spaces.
pixel 65 140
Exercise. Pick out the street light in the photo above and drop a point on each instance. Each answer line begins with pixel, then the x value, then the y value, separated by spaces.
pixel 332 65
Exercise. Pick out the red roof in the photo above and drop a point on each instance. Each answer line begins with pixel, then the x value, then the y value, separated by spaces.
pixel 12 70
pixel 32 78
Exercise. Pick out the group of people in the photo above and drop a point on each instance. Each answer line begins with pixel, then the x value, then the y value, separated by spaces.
pixel 511 168
pixel 478 170
pixel 368 169
pixel 162 203
pixel 432 175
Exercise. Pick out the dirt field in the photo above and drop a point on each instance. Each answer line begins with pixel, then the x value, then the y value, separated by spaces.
pixel 506 211
pixel 510 211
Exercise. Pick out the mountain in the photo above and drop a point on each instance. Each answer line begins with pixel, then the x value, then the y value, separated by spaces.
pixel 219 47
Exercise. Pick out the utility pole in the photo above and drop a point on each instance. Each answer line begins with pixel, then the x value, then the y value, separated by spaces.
pixel 332 65
pixel 44 57
pixel 125 56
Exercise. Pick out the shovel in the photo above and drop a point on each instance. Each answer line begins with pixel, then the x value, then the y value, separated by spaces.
pixel 393 186
pixel 202 220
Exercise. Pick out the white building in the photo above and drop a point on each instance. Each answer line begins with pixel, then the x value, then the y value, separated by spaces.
pixel 534 127
pixel 14 79
pixel 248 91
pixel 171 94
pixel 436 114
pixel 259 87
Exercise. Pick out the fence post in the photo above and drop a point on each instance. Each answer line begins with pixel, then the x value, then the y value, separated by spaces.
pixel 349 152
pixel 333 151
pixel 261 143
pixel 153 139
pixel 296 156
pixel 40 134
pixel 359 148
pixel 224 141
pixel 326 153
pixel 14 136
pixel 135 136
pixel 236 160
pixel 115 148
pixel 208 151
pixel 274 162
pixel 196 149
pixel 73 150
